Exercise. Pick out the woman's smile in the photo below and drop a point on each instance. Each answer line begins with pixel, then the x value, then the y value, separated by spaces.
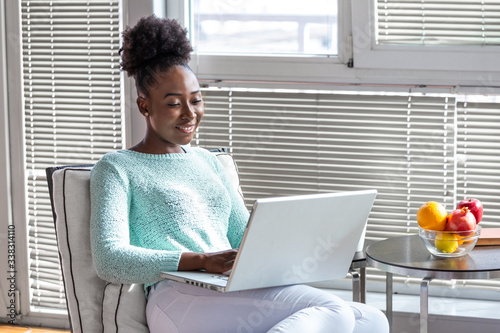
pixel 188 129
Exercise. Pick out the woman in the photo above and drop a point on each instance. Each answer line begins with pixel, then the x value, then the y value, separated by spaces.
pixel 162 205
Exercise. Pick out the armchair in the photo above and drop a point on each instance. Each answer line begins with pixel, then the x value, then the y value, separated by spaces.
pixel 95 305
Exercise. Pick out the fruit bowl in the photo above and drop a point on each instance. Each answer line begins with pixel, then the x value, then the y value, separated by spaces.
pixel 449 243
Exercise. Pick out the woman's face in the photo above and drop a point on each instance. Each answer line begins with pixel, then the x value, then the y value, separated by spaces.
pixel 174 109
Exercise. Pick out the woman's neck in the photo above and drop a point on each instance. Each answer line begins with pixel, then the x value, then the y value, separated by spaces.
pixel 144 147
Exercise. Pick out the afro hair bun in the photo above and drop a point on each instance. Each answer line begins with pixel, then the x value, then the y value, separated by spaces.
pixel 154 41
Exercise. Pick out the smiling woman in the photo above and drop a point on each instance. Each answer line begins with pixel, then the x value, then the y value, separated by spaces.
pixel 164 206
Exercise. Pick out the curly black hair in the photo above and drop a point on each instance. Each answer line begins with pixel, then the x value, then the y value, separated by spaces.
pixel 153 45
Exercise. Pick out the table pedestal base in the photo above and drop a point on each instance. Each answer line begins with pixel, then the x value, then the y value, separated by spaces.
pixel 424 302
pixel 358 284
pixel 408 256
pixel 388 298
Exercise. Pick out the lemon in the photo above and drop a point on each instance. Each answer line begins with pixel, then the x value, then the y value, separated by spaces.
pixel 446 243
pixel 432 215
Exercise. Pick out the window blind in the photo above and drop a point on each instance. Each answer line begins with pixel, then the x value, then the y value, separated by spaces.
pixel 288 143
pixel 402 144
pixel 478 168
pixel 438 22
pixel 72 112
pixel 478 152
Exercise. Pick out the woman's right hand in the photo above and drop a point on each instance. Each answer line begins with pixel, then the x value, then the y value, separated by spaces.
pixel 213 262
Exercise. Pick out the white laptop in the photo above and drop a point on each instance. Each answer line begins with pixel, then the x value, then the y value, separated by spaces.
pixel 291 240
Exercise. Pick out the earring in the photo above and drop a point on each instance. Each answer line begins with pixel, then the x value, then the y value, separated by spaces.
pixel 146 114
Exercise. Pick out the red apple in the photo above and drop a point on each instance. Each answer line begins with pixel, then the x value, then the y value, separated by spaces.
pixel 475 206
pixel 460 220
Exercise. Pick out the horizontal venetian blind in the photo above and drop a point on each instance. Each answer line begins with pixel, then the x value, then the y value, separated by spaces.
pixel 404 145
pixel 478 157
pixel 478 163
pixel 438 22
pixel 72 113
pixel 288 143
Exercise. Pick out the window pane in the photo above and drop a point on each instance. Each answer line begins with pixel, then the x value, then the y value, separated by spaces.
pixel 438 22
pixel 265 27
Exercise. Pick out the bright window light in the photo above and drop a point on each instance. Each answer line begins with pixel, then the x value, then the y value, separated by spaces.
pixel 275 27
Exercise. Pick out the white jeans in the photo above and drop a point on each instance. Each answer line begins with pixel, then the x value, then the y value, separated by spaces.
pixel 180 308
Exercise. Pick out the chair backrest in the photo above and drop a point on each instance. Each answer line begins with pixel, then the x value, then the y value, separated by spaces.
pixel 95 305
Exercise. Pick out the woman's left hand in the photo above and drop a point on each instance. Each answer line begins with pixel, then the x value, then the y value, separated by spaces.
pixel 219 262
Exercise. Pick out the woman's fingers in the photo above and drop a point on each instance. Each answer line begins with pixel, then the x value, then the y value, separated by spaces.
pixel 219 262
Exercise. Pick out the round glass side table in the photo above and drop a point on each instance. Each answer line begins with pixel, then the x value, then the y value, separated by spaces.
pixel 407 255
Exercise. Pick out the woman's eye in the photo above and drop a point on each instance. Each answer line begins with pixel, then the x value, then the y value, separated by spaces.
pixel 198 101
pixel 174 105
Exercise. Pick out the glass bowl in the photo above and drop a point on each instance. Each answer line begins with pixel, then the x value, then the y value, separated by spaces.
pixel 449 243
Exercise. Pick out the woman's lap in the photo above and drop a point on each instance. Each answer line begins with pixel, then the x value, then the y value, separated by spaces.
pixel 175 307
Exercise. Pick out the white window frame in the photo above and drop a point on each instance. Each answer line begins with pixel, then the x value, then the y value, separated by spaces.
pixel 435 58
pixel 266 68
pixel 379 64
pixel 5 188
pixel 14 142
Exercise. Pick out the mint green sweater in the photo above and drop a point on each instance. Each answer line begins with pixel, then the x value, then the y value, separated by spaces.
pixel 147 209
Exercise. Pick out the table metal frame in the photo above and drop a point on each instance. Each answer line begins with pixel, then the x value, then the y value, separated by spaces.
pixel 407 255
pixel 358 274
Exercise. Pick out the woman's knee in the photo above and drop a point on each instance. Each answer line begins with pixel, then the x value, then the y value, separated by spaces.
pixel 329 301
pixel 336 312
pixel 338 307
pixel 318 319
pixel 314 310
pixel 369 319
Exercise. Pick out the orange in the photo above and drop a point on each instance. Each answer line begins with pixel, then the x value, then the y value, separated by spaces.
pixel 432 215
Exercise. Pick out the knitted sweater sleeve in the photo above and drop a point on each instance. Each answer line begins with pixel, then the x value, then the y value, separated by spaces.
pixel 239 213
pixel 115 259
